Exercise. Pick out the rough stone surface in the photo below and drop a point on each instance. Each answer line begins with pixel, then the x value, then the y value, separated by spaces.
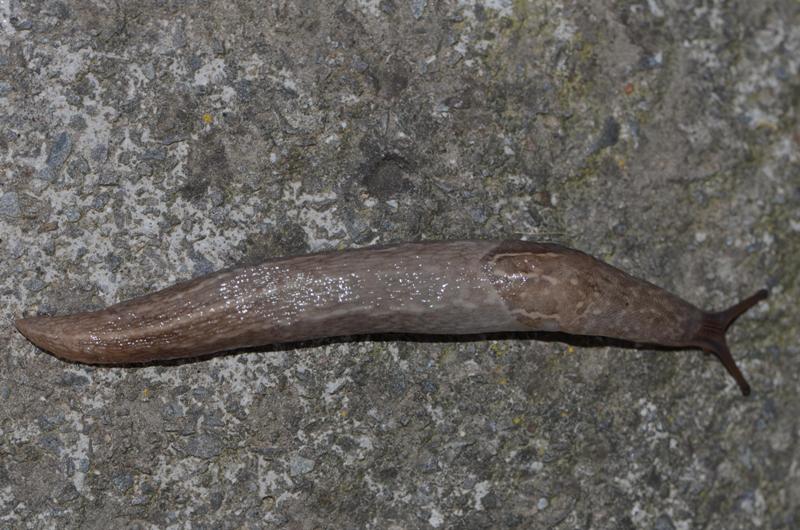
pixel 142 142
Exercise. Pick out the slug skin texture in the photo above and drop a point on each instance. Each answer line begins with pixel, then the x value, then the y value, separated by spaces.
pixel 442 288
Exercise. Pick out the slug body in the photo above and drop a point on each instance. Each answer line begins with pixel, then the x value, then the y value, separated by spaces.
pixel 455 287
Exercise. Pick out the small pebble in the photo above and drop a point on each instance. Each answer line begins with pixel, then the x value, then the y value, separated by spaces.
pixel 9 205
pixel 299 465
pixel 123 482
pixel 59 151
pixel 72 214
pixel 418 7
pixel 204 446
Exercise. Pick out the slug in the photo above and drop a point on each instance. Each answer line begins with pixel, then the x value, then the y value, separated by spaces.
pixel 442 288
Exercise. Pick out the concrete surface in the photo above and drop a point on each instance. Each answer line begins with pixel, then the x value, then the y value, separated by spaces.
pixel 148 141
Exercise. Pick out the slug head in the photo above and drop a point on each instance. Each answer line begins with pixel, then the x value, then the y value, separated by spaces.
pixel 711 335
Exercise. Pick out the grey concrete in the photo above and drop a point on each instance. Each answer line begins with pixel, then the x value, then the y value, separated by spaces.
pixel 142 142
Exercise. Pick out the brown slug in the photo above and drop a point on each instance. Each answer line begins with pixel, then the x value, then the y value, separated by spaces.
pixel 442 288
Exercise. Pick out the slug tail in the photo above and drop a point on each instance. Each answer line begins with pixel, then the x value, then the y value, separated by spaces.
pixel 711 335
pixel 55 335
pixel 36 329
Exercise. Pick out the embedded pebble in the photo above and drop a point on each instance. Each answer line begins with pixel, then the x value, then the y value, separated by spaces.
pixel 299 465
pixel 123 482
pixel 9 204
pixel 59 151
pixel 204 446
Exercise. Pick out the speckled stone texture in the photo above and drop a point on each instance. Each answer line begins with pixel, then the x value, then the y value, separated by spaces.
pixel 147 141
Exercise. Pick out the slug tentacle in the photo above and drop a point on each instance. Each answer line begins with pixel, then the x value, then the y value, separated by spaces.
pixel 711 335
